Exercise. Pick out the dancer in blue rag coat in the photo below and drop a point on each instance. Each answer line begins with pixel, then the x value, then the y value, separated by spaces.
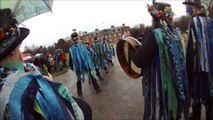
pixel 25 94
pixel 199 58
pixel 81 64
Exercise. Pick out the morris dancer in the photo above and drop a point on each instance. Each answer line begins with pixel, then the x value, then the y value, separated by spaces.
pixel 99 60
pixel 106 50
pixel 81 64
pixel 92 54
pixel 162 59
pixel 199 58
pixel 110 53
pixel 24 93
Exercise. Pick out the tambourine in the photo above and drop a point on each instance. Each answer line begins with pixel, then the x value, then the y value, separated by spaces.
pixel 125 48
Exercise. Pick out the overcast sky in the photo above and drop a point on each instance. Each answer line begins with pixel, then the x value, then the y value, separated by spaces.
pixel 86 15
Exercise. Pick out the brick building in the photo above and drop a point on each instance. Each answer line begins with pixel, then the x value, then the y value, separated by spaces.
pixel 112 34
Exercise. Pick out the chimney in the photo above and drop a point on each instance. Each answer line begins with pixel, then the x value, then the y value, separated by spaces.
pixel 123 24
pixel 112 26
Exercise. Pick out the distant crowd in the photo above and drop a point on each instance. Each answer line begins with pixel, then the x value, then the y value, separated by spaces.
pixel 48 63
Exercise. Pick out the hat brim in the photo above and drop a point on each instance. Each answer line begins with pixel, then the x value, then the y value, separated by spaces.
pixel 24 32
pixel 189 3
pixel 161 5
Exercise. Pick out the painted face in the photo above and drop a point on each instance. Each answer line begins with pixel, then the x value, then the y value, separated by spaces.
pixel 189 10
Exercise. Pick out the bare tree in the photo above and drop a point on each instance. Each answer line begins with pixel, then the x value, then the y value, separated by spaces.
pixel 62 44
pixel 182 23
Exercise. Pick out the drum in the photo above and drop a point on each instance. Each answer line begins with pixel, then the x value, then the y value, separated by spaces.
pixel 125 48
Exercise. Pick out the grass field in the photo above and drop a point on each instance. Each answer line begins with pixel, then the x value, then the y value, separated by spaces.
pixel 65 69
pixel 57 73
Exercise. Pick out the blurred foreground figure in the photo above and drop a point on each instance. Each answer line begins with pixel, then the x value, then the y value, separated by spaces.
pixel 24 93
pixel 161 58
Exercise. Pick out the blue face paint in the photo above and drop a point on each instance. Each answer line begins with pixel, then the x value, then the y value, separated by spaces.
pixel 189 10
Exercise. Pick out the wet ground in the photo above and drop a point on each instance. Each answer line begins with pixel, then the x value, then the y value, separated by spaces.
pixel 120 99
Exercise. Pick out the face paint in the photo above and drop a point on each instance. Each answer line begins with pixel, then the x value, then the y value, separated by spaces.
pixel 189 10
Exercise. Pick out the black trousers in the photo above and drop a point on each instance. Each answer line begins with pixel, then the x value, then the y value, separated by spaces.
pixel 94 83
pixel 197 111
pixel 201 95
pixel 98 72
pixel 110 61
pixel 79 87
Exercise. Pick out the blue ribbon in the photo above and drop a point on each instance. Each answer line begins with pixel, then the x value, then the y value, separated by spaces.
pixel 53 110
pixel 53 106
pixel 43 105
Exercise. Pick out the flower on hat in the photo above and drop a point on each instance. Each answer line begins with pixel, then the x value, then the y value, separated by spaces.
pixel 150 8
pixel 204 8
pixel 166 14
pixel 168 10
pixel 10 34
pixel 10 31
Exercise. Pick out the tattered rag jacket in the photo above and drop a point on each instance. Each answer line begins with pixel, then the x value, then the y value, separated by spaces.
pixel 199 58
pixel 164 81
pixel 29 96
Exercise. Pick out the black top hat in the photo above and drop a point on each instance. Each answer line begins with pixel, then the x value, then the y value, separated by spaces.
pixel 74 34
pixel 192 2
pixel 161 11
pixel 160 6
pixel 10 34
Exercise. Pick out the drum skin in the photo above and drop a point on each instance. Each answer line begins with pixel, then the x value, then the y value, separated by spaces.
pixel 125 49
